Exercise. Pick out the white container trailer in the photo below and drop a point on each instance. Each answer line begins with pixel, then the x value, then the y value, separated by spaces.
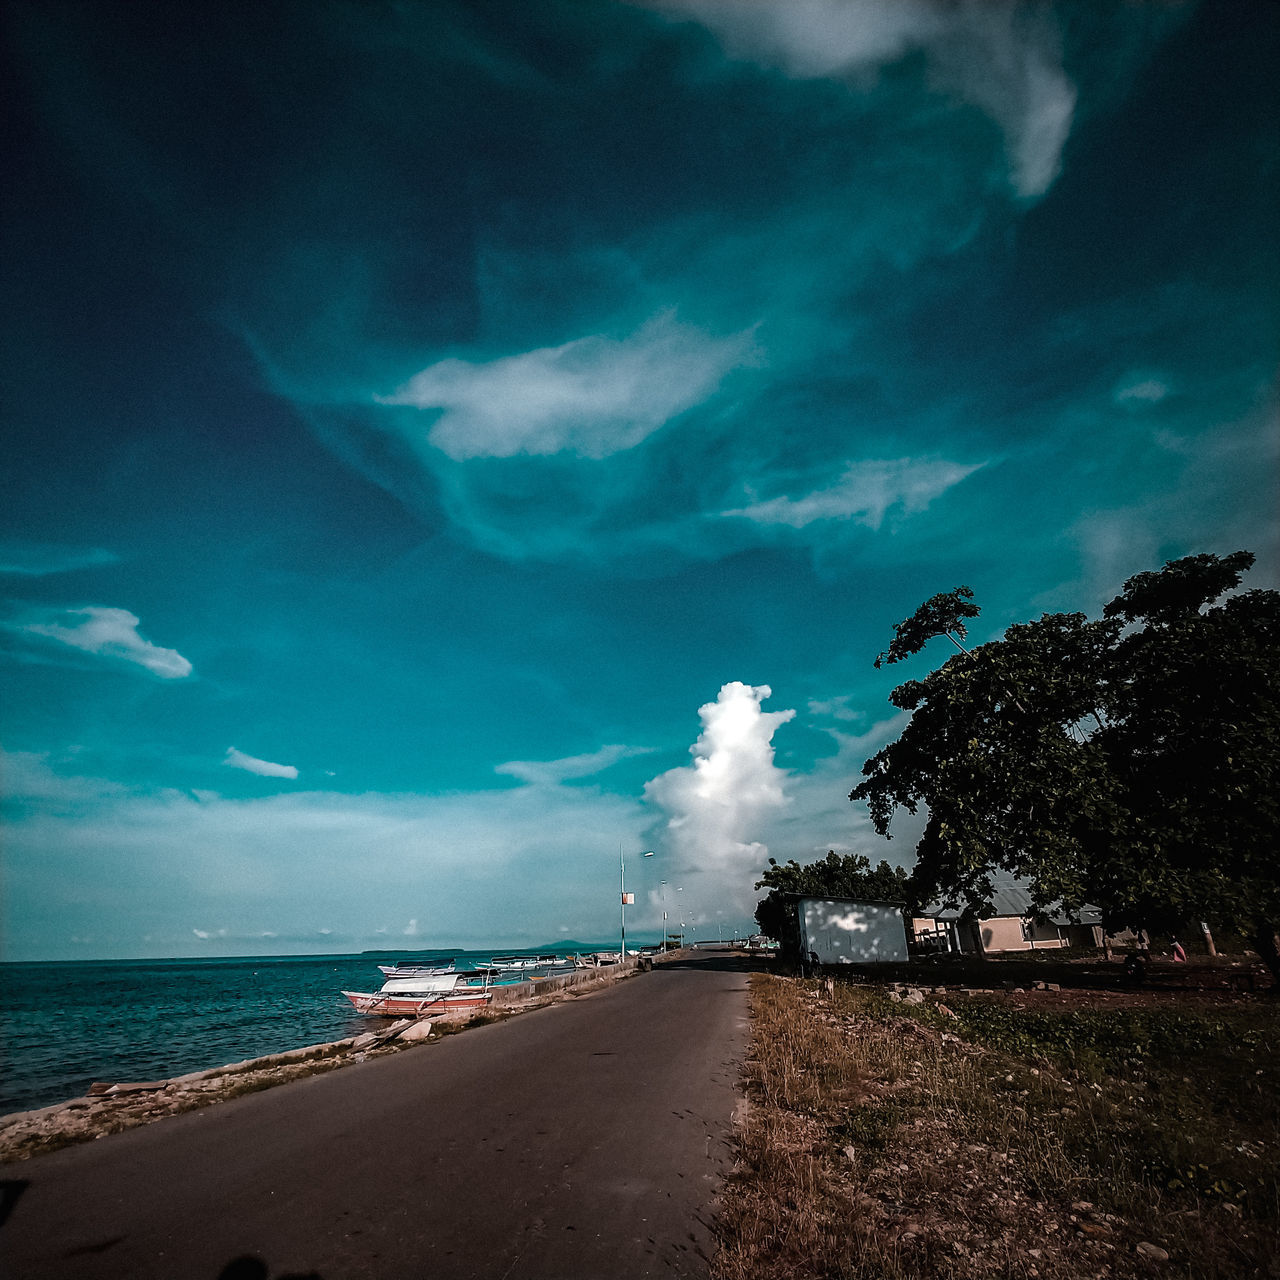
pixel 845 931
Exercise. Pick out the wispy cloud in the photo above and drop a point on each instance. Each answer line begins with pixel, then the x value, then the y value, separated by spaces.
pixel 1140 391
pixel 109 633
pixel 866 493
pixel 28 777
pixel 999 56
pixel 264 768
pixel 594 396
pixel 554 772
pixel 36 559
pixel 837 708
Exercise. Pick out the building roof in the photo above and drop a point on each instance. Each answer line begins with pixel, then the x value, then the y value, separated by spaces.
pixel 830 897
pixel 1012 897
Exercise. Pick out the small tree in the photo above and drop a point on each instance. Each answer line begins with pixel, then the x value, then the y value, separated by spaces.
pixel 836 876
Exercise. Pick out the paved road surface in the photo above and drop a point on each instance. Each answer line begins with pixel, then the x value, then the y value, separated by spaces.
pixel 585 1140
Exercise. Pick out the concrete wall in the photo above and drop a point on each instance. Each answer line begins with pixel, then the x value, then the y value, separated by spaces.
pixel 1003 933
pixel 522 992
pixel 844 932
pixel 1010 933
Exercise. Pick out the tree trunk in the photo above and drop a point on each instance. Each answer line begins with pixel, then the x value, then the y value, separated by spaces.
pixel 1208 937
pixel 1264 938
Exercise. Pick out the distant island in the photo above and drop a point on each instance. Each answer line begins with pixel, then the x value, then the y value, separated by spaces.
pixel 563 947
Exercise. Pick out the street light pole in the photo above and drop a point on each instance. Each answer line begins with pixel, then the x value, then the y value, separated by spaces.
pixel 664 917
pixel 622 885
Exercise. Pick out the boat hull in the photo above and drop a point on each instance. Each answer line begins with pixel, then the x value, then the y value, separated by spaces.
pixel 388 1005
pixel 415 970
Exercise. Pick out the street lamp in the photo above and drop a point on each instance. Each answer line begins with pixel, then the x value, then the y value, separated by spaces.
pixel 664 917
pixel 622 884
pixel 693 927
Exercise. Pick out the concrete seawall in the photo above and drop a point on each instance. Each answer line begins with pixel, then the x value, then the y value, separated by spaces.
pixel 523 992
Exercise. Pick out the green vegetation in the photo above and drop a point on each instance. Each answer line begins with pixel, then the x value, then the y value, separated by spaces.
pixel 1081 1134
pixel 1189 1093
pixel 1132 762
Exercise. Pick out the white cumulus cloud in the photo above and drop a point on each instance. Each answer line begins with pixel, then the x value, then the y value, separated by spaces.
pixel 865 493
pixel 717 807
pixel 264 768
pixel 594 396
pixel 111 633
pixel 997 55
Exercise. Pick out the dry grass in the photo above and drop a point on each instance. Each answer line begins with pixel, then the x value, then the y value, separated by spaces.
pixel 888 1143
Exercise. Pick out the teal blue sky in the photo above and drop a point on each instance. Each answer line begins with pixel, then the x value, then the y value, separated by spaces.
pixel 447 444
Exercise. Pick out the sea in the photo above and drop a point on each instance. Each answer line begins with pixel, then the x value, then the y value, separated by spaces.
pixel 65 1024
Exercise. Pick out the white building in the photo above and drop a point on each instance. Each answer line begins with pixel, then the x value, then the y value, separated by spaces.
pixel 849 931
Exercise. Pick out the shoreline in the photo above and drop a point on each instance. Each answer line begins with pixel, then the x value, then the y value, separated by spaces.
pixel 117 1106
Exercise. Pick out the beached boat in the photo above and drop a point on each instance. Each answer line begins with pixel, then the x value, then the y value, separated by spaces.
pixel 407 969
pixel 528 963
pixel 425 994
pixel 385 1004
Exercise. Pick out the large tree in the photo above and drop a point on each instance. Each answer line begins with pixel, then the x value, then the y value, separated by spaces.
pixel 1132 761
pixel 849 875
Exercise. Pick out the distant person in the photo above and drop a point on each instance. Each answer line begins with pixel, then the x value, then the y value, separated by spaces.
pixel 1178 954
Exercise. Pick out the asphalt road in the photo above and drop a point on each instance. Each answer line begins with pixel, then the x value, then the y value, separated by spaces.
pixel 584 1140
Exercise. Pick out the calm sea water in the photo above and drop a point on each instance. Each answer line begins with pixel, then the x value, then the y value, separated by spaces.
pixel 67 1024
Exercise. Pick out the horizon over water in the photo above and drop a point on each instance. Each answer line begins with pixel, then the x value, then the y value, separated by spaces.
pixel 66 1023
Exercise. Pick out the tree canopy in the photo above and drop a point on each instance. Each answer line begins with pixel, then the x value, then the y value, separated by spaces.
pixel 850 875
pixel 1132 762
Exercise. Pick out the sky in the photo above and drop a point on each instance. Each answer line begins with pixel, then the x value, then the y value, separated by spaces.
pixel 451 449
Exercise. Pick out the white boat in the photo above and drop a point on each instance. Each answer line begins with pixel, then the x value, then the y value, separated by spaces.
pixel 407 969
pixel 530 962
pixel 381 1005
pixel 425 994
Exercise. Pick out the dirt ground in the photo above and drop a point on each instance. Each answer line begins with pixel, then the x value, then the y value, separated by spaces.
pixel 917 1151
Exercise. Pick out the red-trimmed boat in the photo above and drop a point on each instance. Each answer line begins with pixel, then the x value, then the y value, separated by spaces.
pixel 425 996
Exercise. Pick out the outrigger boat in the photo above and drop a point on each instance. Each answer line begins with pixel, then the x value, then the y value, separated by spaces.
pixel 407 969
pixel 532 966
pixel 428 993
pixel 425 995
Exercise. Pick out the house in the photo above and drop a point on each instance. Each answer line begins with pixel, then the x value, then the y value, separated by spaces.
pixel 1014 925
pixel 848 931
